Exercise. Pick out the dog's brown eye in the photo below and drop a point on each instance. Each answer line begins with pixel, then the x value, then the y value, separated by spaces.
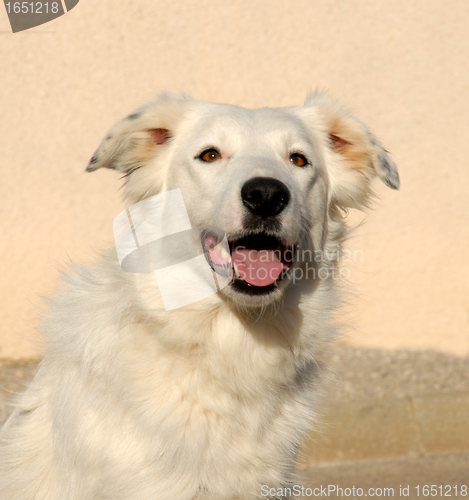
pixel 210 155
pixel 298 160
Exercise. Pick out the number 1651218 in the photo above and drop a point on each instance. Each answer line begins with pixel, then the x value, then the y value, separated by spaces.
pixel 32 7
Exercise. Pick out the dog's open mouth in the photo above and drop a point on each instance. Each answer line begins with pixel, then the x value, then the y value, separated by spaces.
pixel 259 261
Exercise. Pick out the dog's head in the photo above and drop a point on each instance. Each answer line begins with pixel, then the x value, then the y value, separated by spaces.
pixel 271 178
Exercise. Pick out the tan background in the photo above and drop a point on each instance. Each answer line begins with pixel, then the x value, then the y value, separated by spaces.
pixel 402 66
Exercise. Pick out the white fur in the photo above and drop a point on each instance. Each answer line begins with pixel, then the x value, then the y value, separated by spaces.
pixel 212 400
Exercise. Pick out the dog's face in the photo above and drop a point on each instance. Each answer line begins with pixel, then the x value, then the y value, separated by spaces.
pixel 257 175
pixel 269 177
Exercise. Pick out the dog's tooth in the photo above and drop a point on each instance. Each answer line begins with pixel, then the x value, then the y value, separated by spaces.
pixel 236 270
pixel 224 254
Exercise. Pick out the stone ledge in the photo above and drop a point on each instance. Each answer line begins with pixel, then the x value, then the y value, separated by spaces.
pixel 390 427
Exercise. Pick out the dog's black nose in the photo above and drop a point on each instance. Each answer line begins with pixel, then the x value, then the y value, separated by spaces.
pixel 265 196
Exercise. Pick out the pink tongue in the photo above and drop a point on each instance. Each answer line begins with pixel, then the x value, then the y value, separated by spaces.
pixel 257 267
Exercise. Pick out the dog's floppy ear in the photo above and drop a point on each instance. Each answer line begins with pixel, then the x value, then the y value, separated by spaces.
pixel 133 140
pixel 353 155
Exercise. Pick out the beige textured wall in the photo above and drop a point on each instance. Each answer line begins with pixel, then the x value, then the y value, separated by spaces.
pixel 402 66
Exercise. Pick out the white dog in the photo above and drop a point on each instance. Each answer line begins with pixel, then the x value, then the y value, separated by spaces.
pixel 210 401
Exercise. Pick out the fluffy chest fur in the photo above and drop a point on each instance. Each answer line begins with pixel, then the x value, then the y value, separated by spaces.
pixel 142 403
